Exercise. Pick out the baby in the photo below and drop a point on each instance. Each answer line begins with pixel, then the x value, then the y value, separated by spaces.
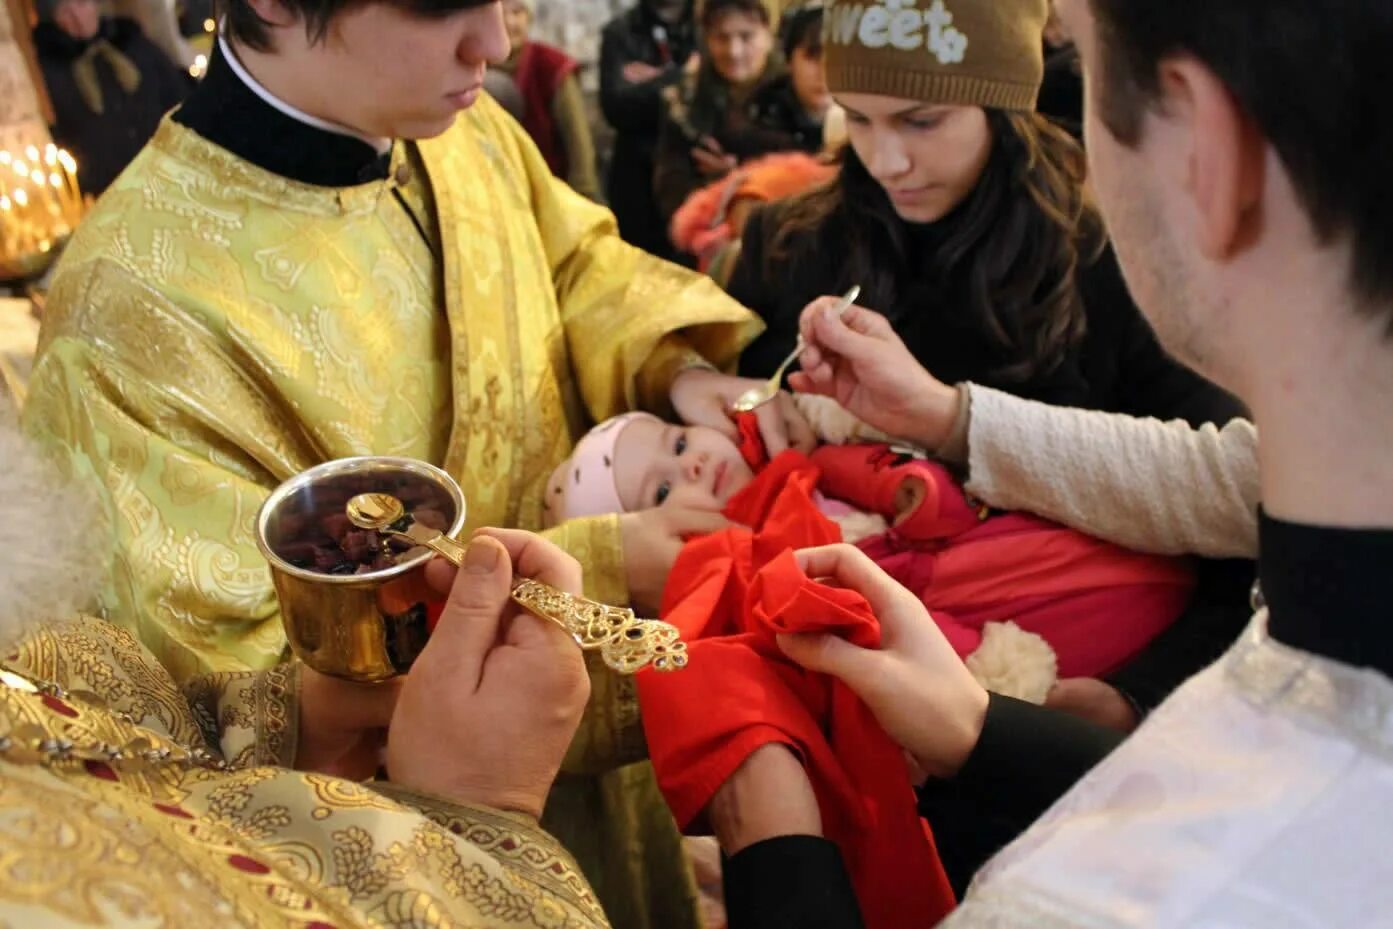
pixel 1023 600
pixel 637 461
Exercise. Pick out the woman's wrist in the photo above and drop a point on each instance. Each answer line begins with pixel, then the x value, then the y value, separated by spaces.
pixel 942 417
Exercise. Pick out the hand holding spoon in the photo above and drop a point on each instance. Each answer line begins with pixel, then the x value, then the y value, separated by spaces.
pixel 756 397
pixel 626 643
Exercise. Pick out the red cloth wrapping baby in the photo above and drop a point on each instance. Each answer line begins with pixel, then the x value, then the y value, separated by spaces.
pixel 730 594
pixel 1095 603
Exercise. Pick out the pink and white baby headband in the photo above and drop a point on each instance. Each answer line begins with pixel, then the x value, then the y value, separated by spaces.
pixel 584 485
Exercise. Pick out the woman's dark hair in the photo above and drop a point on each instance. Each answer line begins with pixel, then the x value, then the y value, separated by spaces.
pixel 1017 243
pixel 244 26
pixel 711 9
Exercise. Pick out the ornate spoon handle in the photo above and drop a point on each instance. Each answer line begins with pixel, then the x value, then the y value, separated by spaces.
pixel 626 643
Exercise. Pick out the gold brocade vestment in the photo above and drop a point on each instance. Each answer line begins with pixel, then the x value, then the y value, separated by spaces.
pixel 215 328
pixel 166 845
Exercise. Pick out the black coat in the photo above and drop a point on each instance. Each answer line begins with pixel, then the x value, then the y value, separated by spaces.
pixel 635 111
pixel 704 106
pixel 103 145
pixel 1118 366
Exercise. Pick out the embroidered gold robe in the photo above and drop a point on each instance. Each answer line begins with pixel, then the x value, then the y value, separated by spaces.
pixel 166 846
pixel 214 329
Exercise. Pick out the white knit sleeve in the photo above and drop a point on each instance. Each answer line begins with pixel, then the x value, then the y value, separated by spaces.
pixel 1151 486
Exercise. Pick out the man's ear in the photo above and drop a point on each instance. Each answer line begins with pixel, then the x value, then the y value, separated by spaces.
pixel 1223 150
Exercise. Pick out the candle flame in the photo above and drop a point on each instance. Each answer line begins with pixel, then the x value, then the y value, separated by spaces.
pixel 6 157
pixel 32 152
pixel 21 168
pixel 22 197
pixel 4 203
pixel 55 181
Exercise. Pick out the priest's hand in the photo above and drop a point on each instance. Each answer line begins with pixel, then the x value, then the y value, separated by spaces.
pixel 653 539
pixel 768 796
pixel 920 691
pixel 861 362
pixel 343 725
pixel 704 398
pixel 492 703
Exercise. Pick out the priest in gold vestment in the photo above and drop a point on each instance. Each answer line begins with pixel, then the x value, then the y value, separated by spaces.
pixel 337 247
pixel 128 802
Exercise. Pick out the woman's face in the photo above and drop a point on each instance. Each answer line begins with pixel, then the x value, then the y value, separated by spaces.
pixel 739 46
pixel 928 157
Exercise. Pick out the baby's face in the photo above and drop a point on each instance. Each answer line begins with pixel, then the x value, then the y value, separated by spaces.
pixel 656 464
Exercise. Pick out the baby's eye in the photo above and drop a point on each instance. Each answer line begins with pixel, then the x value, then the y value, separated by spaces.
pixel 663 490
pixel 681 445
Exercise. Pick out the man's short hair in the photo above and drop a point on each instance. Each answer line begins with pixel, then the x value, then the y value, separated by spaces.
pixel 1316 78
pixel 801 27
pixel 243 25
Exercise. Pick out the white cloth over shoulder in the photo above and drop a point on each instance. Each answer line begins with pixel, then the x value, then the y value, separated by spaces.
pixel 1260 795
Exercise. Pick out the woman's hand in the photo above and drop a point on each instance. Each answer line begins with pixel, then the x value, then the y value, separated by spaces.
pixel 915 684
pixel 859 361
pixel 490 707
pixel 704 398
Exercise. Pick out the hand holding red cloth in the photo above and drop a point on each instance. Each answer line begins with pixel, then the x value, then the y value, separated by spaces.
pixel 730 594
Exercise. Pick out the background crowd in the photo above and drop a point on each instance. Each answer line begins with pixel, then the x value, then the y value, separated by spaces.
pixel 1044 591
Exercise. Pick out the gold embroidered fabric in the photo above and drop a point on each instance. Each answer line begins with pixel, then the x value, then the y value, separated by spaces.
pixel 167 847
pixel 214 329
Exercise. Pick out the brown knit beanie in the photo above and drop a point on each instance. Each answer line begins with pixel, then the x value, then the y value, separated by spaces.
pixel 985 53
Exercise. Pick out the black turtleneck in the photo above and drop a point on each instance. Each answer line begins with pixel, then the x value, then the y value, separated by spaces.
pixel 228 113
pixel 1329 591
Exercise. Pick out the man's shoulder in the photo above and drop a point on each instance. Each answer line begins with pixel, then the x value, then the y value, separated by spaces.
pixel 1266 755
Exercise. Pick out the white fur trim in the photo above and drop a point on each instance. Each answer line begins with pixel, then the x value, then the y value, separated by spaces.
pixel 54 543
pixel 1014 663
pixel 833 423
pixel 856 526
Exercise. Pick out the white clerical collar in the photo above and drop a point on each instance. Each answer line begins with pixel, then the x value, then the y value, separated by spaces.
pixel 381 146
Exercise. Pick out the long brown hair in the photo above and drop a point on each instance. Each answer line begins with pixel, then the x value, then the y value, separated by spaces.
pixel 1016 243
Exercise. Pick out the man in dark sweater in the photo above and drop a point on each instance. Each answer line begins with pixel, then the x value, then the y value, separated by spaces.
pixel 1256 249
pixel 109 84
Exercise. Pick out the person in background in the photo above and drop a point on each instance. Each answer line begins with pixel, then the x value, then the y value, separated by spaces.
pixel 797 103
pixel 1061 93
pixel 109 84
pixel 554 108
pixel 642 51
pixel 707 128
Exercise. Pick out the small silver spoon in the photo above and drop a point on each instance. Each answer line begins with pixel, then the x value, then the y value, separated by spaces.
pixel 756 397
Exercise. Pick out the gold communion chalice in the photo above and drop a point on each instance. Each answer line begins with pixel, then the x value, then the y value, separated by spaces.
pixel 626 643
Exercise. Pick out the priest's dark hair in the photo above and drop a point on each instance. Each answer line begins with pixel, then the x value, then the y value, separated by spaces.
pixel 1315 78
pixel 245 26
